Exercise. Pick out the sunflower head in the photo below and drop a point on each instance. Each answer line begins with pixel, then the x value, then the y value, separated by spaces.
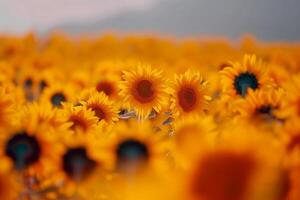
pixel 108 84
pixel 102 107
pixel 189 94
pixel 37 114
pixel 188 134
pixel 233 172
pixel 133 147
pixel 58 94
pixel 76 163
pixel 144 89
pixel 79 118
pixel 23 149
pixel 79 159
pixel 261 105
pixel 27 146
pixel 238 78
pixel 240 170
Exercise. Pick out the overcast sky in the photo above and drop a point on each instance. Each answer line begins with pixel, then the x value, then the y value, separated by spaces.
pixel 23 15
pixel 266 19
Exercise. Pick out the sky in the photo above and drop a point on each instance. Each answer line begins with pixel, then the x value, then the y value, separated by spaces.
pixel 22 15
pixel 266 19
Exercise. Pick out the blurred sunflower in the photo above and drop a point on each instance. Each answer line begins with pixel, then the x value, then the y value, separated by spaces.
pixel 189 130
pixel 108 87
pixel 102 107
pixel 108 84
pixel 189 94
pixel 79 119
pixel 238 78
pixel 37 114
pixel 31 146
pixel 134 147
pixel 143 90
pixel 27 79
pixel 234 169
pixel 79 166
pixel 57 94
pixel 261 105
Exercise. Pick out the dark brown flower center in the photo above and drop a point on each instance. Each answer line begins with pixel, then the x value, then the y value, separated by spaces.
pixel 131 151
pixel 23 149
pixel 245 81
pixel 57 99
pixel 42 85
pixel 187 98
pixel 143 91
pixel 105 87
pixel 265 112
pixel 78 122
pixel 77 164
pixel 222 175
pixel 28 83
pixel 100 114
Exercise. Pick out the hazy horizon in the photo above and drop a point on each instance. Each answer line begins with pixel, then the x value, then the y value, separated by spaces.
pixel 273 20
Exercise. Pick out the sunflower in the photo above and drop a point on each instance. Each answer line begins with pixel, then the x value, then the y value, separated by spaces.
pixel 79 119
pixel 80 166
pixel 27 79
pixel 107 87
pixel 233 170
pixel 189 94
pixel 83 96
pixel 30 146
pixel 102 107
pixel 188 130
pixel 144 90
pixel 57 94
pixel 78 148
pixel 260 105
pixel 134 147
pixel 238 78
pixel 36 114
pixel 108 84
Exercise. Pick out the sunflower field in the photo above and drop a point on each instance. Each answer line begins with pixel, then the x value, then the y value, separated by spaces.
pixel 137 117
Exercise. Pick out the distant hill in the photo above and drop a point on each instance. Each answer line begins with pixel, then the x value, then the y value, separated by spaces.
pixel 267 19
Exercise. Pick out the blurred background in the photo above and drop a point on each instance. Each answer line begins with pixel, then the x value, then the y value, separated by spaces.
pixel 266 19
